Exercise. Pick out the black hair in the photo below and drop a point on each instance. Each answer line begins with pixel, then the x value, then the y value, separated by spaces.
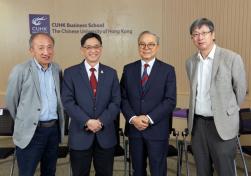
pixel 90 35
pixel 200 22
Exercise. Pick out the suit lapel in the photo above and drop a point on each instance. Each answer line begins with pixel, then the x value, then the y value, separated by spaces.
pixel 33 70
pixel 216 63
pixel 153 75
pixel 85 78
pixel 101 81
pixel 195 72
pixel 55 75
pixel 137 76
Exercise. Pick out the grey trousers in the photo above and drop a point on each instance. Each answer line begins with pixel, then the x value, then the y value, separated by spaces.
pixel 210 151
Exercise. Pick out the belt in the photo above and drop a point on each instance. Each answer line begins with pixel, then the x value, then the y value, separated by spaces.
pixel 47 124
pixel 204 117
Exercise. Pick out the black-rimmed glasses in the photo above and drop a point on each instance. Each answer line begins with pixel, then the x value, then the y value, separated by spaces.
pixel 148 45
pixel 95 47
pixel 203 34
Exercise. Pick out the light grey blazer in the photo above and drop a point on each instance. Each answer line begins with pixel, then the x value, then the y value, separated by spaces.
pixel 227 91
pixel 23 100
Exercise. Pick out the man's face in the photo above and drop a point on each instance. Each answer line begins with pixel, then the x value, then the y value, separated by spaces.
pixel 42 49
pixel 203 38
pixel 148 47
pixel 92 50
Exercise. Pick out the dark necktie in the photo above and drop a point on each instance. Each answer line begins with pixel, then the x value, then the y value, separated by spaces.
pixel 144 77
pixel 93 81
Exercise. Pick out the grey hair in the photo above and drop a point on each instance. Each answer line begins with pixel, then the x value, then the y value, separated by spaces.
pixel 33 36
pixel 151 33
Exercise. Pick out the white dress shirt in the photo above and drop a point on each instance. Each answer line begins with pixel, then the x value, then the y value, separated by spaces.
pixel 149 68
pixel 88 67
pixel 203 104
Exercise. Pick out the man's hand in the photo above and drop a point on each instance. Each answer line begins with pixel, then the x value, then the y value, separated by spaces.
pixel 140 122
pixel 145 119
pixel 93 125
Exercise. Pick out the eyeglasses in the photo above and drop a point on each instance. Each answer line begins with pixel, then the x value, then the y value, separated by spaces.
pixel 96 47
pixel 149 45
pixel 203 34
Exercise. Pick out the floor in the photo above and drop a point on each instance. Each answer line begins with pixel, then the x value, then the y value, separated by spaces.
pixel 63 165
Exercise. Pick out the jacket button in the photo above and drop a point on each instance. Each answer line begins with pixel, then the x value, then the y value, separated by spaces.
pixel 38 109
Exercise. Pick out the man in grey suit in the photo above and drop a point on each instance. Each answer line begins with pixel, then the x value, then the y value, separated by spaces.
pixel 217 88
pixel 33 99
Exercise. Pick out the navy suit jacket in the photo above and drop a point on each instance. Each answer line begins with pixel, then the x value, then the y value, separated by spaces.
pixel 80 104
pixel 158 102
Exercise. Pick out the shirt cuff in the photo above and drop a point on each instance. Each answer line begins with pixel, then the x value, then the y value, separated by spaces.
pixel 130 120
pixel 151 121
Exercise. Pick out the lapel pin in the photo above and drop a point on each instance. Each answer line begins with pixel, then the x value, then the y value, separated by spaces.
pixel 101 71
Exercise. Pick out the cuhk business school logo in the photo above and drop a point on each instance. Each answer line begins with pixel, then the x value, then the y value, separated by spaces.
pixel 39 23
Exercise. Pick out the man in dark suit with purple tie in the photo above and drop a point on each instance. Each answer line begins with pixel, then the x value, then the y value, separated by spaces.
pixel 91 97
pixel 148 88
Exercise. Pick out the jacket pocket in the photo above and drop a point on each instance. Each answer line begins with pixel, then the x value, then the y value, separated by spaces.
pixel 233 109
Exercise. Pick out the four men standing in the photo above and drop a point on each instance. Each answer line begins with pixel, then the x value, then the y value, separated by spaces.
pixel 91 97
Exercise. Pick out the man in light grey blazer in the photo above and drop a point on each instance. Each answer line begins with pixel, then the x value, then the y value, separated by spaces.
pixel 217 88
pixel 33 99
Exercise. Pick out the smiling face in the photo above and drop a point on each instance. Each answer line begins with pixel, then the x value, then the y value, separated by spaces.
pixel 91 51
pixel 148 47
pixel 42 49
pixel 203 39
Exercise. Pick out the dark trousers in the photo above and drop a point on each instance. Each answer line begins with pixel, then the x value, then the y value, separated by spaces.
pixel 155 150
pixel 209 149
pixel 102 160
pixel 43 148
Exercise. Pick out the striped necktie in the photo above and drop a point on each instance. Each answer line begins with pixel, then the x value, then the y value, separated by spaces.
pixel 144 77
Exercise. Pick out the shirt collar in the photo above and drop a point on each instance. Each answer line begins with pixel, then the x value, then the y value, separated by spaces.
pixel 210 55
pixel 87 66
pixel 40 66
pixel 150 63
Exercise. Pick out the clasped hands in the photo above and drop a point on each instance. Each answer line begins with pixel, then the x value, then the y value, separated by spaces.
pixel 93 125
pixel 141 122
